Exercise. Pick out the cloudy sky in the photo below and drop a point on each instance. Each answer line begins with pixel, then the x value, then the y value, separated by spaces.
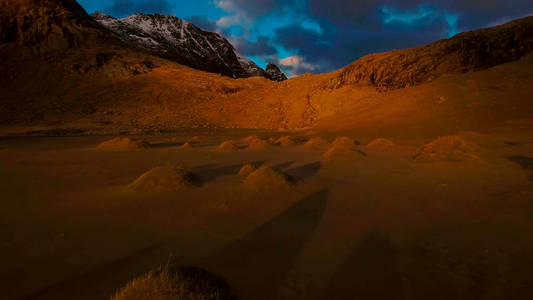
pixel 323 35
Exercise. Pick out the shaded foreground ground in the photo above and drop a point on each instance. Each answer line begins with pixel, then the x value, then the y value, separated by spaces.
pixel 381 226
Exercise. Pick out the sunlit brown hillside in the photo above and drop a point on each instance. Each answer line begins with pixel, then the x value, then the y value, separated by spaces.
pixel 70 73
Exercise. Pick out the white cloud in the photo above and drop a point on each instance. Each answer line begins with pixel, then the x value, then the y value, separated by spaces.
pixel 225 5
pixel 229 21
pixel 296 62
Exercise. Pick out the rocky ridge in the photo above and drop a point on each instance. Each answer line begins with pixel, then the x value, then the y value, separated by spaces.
pixel 465 52
pixel 275 73
pixel 46 26
pixel 183 42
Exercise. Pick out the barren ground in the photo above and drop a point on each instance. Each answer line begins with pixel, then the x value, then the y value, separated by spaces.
pixel 380 227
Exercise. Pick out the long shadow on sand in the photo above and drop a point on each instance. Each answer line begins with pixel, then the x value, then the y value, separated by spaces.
pixel 524 161
pixel 256 264
pixel 370 272
pixel 284 165
pixel 102 281
pixel 305 171
pixel 166 145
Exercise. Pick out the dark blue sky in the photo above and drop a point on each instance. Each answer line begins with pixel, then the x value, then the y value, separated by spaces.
pixel 324 35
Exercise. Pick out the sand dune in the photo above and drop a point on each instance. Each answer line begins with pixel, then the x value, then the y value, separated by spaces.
pixel 381 143
pixel 124 144
pixel 268 178
pixel 448 148
pixel 227 146
pixel 170 178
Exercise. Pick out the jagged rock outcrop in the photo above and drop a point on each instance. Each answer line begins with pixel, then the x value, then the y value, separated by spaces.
pixel 178 40
pixel 251 68
pixel 44 26
pixel 66 36
pixel 469 51
pixel 275 73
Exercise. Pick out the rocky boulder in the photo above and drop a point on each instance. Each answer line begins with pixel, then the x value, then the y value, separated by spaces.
pixel 274 73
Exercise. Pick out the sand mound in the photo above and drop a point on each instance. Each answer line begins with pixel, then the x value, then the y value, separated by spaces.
pixel 227 146
pixel 258 144
pixel 272 140
pixel 185 283
pixel 247 170
pixel 381 144
pixel 250 138
pixel 170 178
pixel 448 148
pixel 315 143
pixel 266 178
pixel 123 144
pixel 286 141
pixel 187 146
pixel 343 149
pixel 344 142
pixel 343 154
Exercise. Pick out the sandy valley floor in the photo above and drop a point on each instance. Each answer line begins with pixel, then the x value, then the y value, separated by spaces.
pixel 380 227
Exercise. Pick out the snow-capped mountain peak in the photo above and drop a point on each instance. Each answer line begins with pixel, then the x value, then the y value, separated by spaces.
pixel 183 42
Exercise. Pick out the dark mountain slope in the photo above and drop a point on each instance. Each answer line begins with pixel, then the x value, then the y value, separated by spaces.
pixel 275 73
pixel 469 51
pixel 180 41
pixel 47 25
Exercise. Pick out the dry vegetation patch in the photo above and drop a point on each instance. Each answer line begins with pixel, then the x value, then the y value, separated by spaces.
pixel 185 283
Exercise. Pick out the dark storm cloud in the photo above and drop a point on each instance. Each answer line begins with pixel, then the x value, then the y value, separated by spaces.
pixel 262 47
pixel 256 8
pixel 120 8
pixel 297 37
pixel 351 29
pixel 472 13
pixel 336 46
pixel 251 8
pixel 478 13
pixel 310 45
pixel 203 22
pixel 324 35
